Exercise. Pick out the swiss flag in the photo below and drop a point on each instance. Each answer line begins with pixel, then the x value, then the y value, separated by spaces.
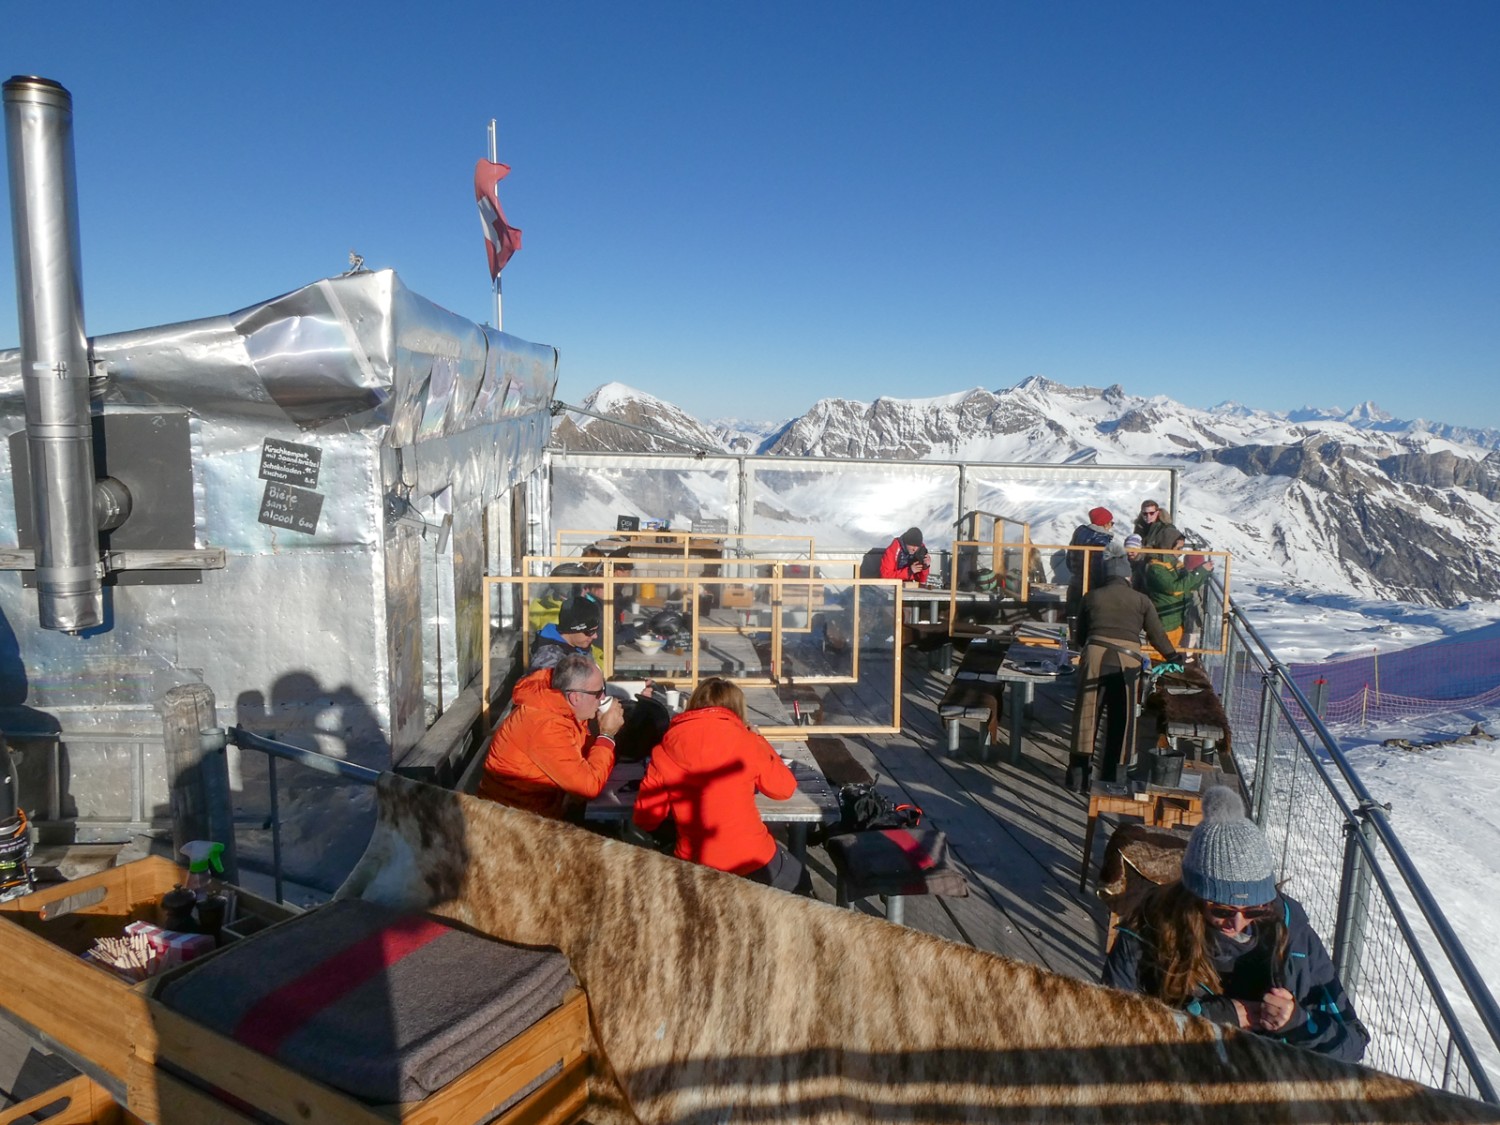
pixel 500 239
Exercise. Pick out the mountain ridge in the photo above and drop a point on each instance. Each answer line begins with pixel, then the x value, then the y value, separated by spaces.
pixel 1351 501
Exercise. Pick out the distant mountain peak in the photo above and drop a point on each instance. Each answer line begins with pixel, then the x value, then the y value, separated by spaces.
pixel 1345 500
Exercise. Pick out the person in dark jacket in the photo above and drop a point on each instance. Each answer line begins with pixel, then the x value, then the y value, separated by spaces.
pixel 1154 526
pixel 1223 943
pixel 576 630
pixel 1098 532
pixel 1109 632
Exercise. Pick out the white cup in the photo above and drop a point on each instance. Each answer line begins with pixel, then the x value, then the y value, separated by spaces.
pixel 674 699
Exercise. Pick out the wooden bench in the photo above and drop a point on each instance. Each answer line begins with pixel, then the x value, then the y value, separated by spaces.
pixel 120 1034
pixel 1186 714
pixel 894 863
pixel 975 693
pixel 258 991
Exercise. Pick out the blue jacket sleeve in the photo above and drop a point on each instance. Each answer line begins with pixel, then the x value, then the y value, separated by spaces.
pixel 1122 967
pixel 1325 1020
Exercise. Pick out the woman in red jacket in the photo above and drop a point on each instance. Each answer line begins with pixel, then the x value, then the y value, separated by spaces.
pixel 705 775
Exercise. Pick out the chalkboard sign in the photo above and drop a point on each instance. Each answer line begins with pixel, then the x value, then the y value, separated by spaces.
pixel 295 509
pixel 287 463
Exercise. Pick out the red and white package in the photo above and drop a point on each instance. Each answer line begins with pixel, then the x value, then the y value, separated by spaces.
pixel 170 946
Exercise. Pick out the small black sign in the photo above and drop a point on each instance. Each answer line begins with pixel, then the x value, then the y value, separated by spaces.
pixel 287 463
pixel 296 509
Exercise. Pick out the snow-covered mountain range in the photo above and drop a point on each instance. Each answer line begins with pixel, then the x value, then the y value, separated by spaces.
pixel 1339 501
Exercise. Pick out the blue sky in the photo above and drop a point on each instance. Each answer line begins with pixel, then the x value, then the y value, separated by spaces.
pixel 743 208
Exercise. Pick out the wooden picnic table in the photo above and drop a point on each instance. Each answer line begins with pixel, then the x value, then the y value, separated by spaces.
pixel 987 667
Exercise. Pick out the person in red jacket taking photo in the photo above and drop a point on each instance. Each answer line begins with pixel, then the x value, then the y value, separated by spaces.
pixel 906 558
pixel 705 775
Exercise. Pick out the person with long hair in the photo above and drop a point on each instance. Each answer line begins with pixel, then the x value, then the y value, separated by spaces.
pixel 1223 942
pixel 705 775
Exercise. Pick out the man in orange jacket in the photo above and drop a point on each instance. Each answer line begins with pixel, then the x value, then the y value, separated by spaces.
pixel 544 758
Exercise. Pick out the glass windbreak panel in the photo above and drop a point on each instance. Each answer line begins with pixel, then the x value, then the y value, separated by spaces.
pixel 671 492
pixel 1055 500
pixel 854 506
pixel 990 569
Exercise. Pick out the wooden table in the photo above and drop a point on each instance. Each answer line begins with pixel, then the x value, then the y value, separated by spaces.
pixel 981 680
pixel 1162 807
pixel 663 547
pixel 815 802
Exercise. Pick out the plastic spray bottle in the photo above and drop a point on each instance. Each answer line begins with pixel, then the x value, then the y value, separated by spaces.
pixel 205 864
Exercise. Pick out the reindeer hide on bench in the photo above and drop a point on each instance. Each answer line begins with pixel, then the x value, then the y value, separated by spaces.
pixel 715 999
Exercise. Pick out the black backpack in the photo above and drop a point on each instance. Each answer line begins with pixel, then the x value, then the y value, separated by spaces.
pixel 863 808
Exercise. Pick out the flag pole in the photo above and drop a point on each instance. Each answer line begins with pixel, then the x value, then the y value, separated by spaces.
pixel 499 300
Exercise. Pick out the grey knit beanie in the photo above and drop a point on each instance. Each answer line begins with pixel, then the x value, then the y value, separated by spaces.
pixel 1227 859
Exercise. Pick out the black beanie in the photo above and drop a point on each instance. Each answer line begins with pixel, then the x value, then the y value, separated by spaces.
pixel 912 537
pixel 581 615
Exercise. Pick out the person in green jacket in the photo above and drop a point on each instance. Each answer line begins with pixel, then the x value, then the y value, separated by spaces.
pixel 1170 586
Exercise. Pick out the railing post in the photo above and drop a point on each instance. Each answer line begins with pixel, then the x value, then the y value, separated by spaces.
pixel 1354 895
pixel 1226 688
pixel 198 772
pixel 1263 749
pixel 1319 698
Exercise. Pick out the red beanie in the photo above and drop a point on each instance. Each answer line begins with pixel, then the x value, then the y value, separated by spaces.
pixel 1101 517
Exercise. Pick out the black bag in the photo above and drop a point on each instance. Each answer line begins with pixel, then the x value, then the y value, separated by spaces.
pixel 863 808
pixel 645 725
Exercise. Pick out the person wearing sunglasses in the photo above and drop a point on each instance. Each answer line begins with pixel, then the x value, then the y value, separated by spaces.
pixel 1154 526
pixel 1222 942
pixel 546 756
pixel 574 633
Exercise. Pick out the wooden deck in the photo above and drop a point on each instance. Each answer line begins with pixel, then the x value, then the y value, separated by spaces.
pixel 1014 830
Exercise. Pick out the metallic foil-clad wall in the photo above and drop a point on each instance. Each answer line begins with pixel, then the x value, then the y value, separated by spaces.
pixel 330 431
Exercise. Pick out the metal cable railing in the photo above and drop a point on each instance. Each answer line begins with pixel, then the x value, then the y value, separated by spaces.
pixel 1431 1016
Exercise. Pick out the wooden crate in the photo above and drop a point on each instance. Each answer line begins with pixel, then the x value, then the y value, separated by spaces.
pixel 559 1039
pixel 736 595
pixel 78 1101
pixel 84 1008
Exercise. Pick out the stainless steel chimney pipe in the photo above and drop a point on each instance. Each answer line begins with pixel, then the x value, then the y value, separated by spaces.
pixel 54 352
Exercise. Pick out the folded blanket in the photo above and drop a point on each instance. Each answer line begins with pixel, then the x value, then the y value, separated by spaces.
pixel 386 1006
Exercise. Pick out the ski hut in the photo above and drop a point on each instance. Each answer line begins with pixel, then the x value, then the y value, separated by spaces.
pixel 294 504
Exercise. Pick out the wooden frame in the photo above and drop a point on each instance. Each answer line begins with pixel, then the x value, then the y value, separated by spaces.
pixel 696 584
pixel 559 1039
pixel 85 1008
pixel 573 542
pixel 121 1031
pixel 78 1101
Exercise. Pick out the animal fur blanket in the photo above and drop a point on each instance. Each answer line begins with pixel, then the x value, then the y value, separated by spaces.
pixel 713 999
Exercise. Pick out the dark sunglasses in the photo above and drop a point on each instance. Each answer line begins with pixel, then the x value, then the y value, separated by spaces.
pixel 1220 913
pixel 600 694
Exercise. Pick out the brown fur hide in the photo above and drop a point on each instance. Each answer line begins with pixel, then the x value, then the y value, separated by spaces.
pixel 1137 857
pixel 1199 708
pixel 715 999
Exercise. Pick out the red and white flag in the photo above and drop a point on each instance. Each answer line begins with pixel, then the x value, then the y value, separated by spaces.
pixel 500 239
